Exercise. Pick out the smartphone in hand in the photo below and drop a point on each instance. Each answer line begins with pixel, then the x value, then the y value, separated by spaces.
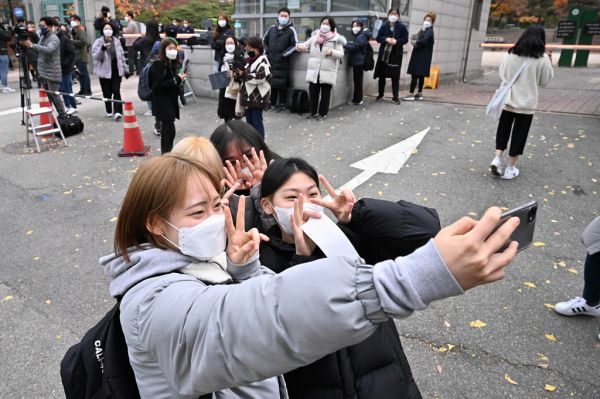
pixel 524 232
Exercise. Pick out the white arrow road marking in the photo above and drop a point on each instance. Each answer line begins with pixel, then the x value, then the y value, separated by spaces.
pixel 388 160
pixel 16 110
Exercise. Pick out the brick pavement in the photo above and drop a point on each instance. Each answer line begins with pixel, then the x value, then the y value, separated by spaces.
pixel 572 91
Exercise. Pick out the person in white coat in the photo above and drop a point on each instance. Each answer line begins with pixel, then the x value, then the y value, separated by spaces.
pixel 326 48
pixel 522 99
pixel 109 65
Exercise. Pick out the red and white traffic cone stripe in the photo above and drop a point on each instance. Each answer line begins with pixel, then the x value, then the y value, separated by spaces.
pixel 133 144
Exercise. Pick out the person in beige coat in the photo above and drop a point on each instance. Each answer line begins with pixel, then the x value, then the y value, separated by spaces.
pixel 326 49
pixel 515 120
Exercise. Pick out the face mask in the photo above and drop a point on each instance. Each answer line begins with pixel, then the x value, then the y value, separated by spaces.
pixel 204 240
pixel 325 28
pixel 186 25
pixel 251 53
pixel 127 19
pixel 230 48
pixel 283 21
pixel 282 216
pixel 426 24
pixel 73 24
pixel 107 32
pixel 355 30
pixel 43 31
pixel 393 18
pixel 171 54
pixel 222 23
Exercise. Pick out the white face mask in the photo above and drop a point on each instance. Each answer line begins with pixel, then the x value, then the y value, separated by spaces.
pixel 204 240
pixel 325 28
pixel 283 215
pixel 426 24
pixel 222 23
pixel 230 48
pixel 73 24
pixel 393 18
pixel 355 30
pixel 107 32
pixel 171 54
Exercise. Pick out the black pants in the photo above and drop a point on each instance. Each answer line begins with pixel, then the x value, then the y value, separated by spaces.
pixel 413 83
pixel 395 86
pixel 280 94
pixel 591 278
pixel 131 59
pixel 111 88
pixel 324 90
pixel 358 73
pixel 55 99
pixel 167 135
pixel 519 124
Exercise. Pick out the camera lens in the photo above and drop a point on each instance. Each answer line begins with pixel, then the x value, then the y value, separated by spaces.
pixel 531 214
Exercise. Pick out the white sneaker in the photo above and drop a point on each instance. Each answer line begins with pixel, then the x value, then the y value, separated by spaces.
pixel 156 132
pixel 148 113
pixel 7 90
pixel 576 306
pixel 71 111
pixel 118 116
pixel 510 172
pixel 109 114
pixel 496 166
pixel 409 98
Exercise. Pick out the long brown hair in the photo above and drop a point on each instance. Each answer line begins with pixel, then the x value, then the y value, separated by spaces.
pixel 159 185
pixel 218 29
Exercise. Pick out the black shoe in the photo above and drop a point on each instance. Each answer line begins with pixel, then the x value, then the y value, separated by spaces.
pixel 80 93
pixel 379 98
pixel 396 100
pixel 312 116
pixel 321 118
pixel 418 96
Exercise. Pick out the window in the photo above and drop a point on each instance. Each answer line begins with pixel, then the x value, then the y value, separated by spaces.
pixel 246 27
pixel 272 6
pixel 344 25
pixel 247 7
pixel 359 5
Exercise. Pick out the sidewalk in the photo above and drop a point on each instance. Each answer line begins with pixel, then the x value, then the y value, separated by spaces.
pixel 572 91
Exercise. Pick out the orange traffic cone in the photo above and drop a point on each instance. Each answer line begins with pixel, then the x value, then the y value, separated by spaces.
pixel 133 144
pixel 45 102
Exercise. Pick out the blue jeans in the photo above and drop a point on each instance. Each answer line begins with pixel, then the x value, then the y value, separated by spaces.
pixel 66 86
pixel 4 69
pixel 84 77
pixel 254 116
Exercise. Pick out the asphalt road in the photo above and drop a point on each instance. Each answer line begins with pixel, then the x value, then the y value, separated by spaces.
pixel 58 210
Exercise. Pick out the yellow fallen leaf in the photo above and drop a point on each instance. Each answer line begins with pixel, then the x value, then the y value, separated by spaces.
pixel 549 306
pixel 571 270
pixel 450 346
pixel 570 145
pixel 550 388
pixel 7 298
pixel 510 380
pixel 530 285
pixel 539 244
pixel 477 324
pixel 542 357
pixel 446 324
pixel 472 213
pixel 48 301
pixel 442 349
pixel 36 258
pixel 68 192
pixel 29 232
pixel 550 337
pixel 114 219
pixel 562 264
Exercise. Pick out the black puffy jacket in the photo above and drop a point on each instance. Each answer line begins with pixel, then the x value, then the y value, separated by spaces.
pixel 376 368
pixel 280 44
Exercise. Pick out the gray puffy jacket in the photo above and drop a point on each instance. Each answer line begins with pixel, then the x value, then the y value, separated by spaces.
pixel 186 338
pixel 48 49
pixel 101 59
pixel 591 237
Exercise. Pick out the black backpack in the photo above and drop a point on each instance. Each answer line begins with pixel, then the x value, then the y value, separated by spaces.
pixel 70 124
pixel 98 366
pixel 144 90
pixel 298 101
pixel 369 64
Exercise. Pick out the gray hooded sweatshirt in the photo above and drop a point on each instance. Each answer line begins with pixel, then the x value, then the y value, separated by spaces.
pixel 186 338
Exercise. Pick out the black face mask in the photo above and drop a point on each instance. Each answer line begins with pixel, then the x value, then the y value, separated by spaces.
pixel 251 53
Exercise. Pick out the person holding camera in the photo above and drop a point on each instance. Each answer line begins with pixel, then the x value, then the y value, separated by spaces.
pixel 49 68
pixel 4 39
pixel 104 19
pixel 81 43
pixel 109 65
